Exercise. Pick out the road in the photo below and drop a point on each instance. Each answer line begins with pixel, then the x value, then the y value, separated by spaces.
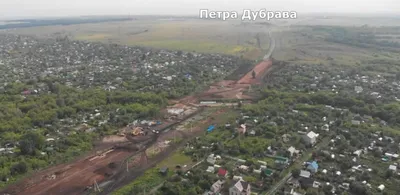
pixel 279 184
pixel 271 48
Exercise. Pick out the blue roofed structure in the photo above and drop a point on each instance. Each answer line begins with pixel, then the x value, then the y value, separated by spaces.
pixel 210 128
pixel 313 167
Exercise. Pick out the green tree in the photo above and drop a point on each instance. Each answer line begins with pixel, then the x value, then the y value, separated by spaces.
pixel 296 173
pixel 31 142
pixel 19 168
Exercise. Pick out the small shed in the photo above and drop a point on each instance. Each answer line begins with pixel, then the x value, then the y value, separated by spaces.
pixel 164 170
pixel 210 128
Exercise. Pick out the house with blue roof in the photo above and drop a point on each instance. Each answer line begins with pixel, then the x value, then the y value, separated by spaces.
pixel 313 167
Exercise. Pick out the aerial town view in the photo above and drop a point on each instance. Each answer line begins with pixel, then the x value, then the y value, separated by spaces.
pixel 103 97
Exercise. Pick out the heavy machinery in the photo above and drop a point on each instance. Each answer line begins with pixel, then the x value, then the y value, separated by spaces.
pixel 137 131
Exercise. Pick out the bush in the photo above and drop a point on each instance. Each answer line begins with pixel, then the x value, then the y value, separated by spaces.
pixel 19 168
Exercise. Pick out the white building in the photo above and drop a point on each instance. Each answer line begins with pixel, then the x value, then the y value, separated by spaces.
pixel 217 186
pixel 358 89
pixel 240 188
pixel 210 169
pixel 393 168
pixel 310 137
pixel 292 150
pixel 305 174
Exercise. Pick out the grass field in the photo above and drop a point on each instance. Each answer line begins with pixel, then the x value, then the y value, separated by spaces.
pixel 302 45
pixel 178 158
pixel 223 37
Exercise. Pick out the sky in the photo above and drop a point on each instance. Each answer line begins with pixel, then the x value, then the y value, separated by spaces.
pixel 49 8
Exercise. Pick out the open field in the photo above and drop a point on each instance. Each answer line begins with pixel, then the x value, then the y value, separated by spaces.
pixel 341 20
pixel 190 35
pixel 305 45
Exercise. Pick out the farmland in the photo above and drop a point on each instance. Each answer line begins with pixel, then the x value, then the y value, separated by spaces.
pixel 189 35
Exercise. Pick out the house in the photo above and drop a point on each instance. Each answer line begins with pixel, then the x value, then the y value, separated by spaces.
pixel 292 192
pixel 393 168
pixel 281 160
pixel 242 129
pixel 357 152
pixel 286 137
pixel 392 155
pixel 355 122
pixel 217 166
pixel 381 187
pixel 252 132
pixel 240 188
pixel 163 170
pixel 262 162
pixel 345 186
pixel 292 150
pixel 257 171
pixel 263 167
pixel 358 89
pixel 313 167
pixel 310 137
pixel 293 182
pixel 222 172
pixel 268 172
pixel 211 159
pixel 305 174
pixel 306 182
pixel 217 186
pixel 243 167
pixel 210 169
pixel 316 184
pixel 325 127
pixel 236 178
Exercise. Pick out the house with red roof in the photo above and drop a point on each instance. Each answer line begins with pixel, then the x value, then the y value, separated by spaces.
pixel 222 172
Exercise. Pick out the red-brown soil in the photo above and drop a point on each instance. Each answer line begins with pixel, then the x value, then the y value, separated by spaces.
pixel 260 69
pixel 69 179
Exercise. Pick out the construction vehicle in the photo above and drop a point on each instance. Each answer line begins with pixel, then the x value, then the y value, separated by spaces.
pixel 137 131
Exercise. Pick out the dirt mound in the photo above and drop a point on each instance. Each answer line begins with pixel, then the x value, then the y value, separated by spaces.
pixel 114 139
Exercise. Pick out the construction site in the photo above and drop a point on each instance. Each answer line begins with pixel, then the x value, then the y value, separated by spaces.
pixel 141 144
